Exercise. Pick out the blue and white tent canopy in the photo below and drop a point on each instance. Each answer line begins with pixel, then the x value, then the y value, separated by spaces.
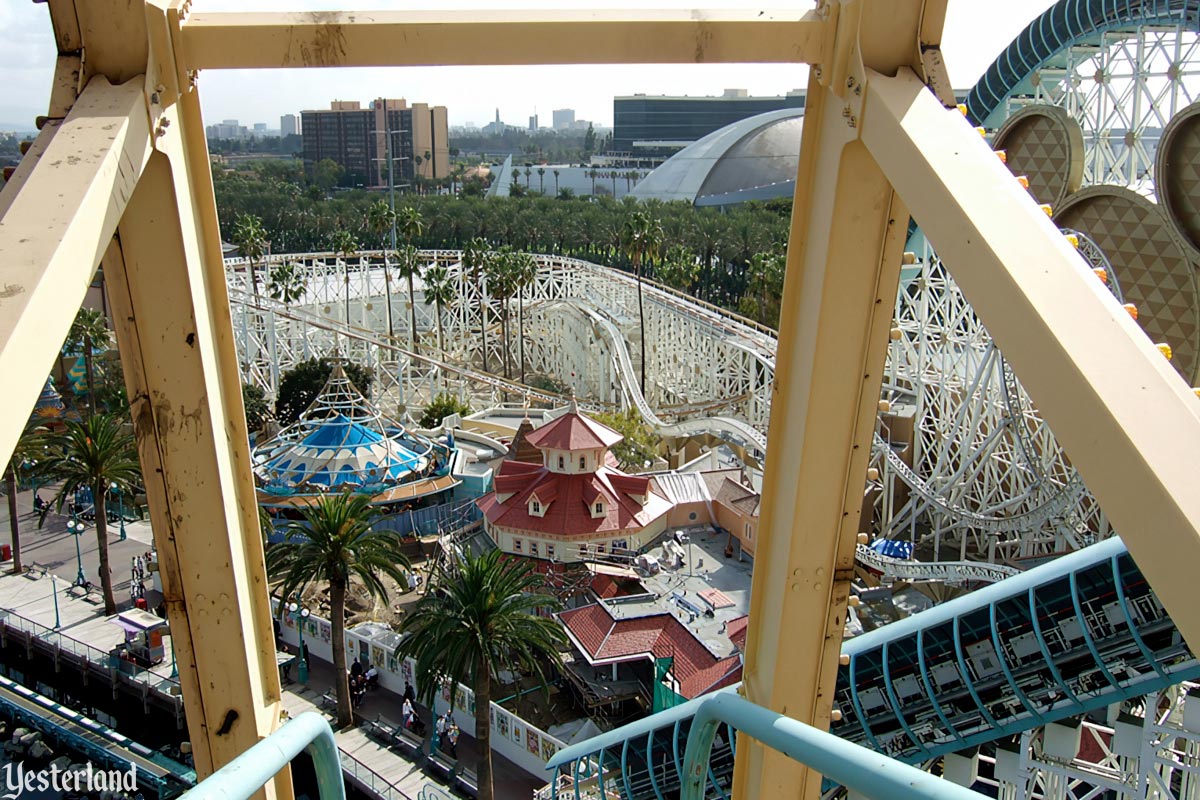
pixel 340 452
pixel 341 441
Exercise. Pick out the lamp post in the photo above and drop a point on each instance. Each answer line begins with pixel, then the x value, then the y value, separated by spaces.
pixel 299 614
pixel 54 591
pixel 76 528
pixel 120 506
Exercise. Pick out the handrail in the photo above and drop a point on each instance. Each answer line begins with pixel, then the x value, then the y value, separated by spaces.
pixel 94 655
pixel 861 770
pixel 246 774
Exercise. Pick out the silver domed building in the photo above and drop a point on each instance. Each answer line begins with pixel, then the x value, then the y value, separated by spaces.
pixel 752 159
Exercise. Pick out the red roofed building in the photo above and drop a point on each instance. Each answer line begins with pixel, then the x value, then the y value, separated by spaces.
pixel 575 502
pixel 608 641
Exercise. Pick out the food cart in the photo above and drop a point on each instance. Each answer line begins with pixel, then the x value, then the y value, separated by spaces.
pixel 143 636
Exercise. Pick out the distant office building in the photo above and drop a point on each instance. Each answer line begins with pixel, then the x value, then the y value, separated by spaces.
pixel 533 123
pixel 288 125
pixel 357 139
pixel 644 124
pixel 227 129
pixel 260 130
pixel 564 118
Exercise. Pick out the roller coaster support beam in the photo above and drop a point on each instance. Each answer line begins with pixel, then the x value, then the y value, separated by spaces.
pixel 1129 423
pixel 844 257
pixel 124 154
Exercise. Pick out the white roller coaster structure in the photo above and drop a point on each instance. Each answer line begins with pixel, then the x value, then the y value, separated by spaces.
pixel 963 459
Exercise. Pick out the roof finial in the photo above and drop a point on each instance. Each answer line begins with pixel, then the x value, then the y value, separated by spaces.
pixel 572 407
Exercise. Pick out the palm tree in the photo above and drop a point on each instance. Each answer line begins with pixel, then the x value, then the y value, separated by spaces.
pixel 440 292
pixel 334 542
pixel 286 282
pixel 251 241
pixel 93 454
pixel 382 218
pixel 27 449
pixel 411 226
pixel 89 329
pixel 614 175
pixel 344 245
pixel 501 282
pixel 555 182
pixel 475 258
pixel 592 173
pixel 542 179
pixel 483 620
pixel 641 239
pixel 408 264
pixel 524 272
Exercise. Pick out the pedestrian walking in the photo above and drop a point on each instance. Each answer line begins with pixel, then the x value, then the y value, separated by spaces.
pixel 408 713
pixel 452 738
pixel 410 694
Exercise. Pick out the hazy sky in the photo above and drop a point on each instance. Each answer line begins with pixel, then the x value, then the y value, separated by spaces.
pixel 975 34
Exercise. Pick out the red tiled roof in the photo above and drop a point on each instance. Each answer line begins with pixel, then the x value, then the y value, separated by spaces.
pixel 630 484
pixel 569 514
pixel 735 629
pixel 694 666
pixel 573 431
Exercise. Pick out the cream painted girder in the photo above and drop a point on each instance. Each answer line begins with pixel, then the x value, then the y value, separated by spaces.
pixel 877 144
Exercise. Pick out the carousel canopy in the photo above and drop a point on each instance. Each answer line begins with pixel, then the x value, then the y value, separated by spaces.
pixel 339 452
pixel 342 441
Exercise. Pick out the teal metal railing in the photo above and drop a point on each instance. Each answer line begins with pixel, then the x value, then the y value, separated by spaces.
pixel 246 774
pixel 643 759
pixel 83 651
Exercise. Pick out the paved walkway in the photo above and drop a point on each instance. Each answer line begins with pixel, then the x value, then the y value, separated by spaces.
pixel 510 781
pixel 83 619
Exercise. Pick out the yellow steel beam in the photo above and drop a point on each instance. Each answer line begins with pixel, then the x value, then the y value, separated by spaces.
pixel 171 313
pixel 1127 420
pixel 419 38
pixel 56 216
pixel 844 254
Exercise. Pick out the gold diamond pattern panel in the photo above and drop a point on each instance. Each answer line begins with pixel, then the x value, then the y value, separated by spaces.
pixel 1150 263
pixel 1045 145
pixel 1177 171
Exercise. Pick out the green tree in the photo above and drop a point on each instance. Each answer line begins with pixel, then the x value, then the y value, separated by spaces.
pixel 501 284
pixel 93 454
pixel 640 445
pixel 524 272
pixel 258 410
pixel 439 291
pixel 482 620
pixel 475 258
pixel 251 240
pixel 641 239
pixel 678 268
pixel 26 452
pixel 326 174
pixel 334 542
pixel 442 406
pixel 411 226
pixel 88 332
pixel 381 219
pixel 589 144
pixel 343 243
pixel 541 179
pixel 764 290
pixel 286 282
pixel 555 171
pixel 301 384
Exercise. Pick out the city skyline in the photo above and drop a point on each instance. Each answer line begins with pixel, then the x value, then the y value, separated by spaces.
pixel 974 36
